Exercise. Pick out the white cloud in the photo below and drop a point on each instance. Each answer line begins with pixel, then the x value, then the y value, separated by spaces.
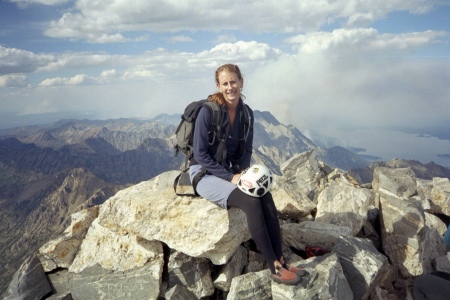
pixel 13 81
pixel 59 81
pixel 325 92
pixel 14 60
pixel 180 39
pixel 109 73
pixel 77 60
pixel 362 40
pixel 158 64
pixel 244 50
pixel 107 21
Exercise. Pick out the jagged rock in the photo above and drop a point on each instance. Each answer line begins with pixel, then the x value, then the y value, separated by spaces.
pixel 29 282
pixel 121 256
pixel 312 233
pixel 180 292
pixel 324 280
pixel 386 279
pixel 61 251
pixel 434 222
pixel 193 273
pixel 440 196
pixel 298 187
pixel 193 226
pixel 368 231
pixel 363 265
pixel 398 182
pixel 344 204
pixel 95 283
pixel 407 241
pixel 115 252
pixel 256 262
pixel 231 269
pixel 290 256
pixel 382 294
pixel 255 285
pixel 443 263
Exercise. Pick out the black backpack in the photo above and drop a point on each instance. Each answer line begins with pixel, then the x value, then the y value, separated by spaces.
pixel 184 138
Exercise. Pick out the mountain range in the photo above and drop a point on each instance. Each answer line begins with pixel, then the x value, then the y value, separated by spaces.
pixel 48 172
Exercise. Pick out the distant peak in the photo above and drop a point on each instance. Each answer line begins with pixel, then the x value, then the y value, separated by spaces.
pixel 267 116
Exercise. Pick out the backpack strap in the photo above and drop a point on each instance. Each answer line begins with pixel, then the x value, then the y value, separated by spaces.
pixel 215 129
pixel 247 122
pixel 214 135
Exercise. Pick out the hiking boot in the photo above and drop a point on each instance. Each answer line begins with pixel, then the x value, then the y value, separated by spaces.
pixel 285 277
pixel 298 271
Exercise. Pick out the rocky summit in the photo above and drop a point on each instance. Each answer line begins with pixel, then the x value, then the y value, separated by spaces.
pixel 147 243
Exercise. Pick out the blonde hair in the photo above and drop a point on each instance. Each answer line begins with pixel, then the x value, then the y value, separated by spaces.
pixel 218 97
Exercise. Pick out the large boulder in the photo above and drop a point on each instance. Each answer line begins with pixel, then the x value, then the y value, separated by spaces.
pixel 363 265
pixel 311 233
pixel 115 252
pixel 440 196
pixel 296 191
pixel 410 243
pixel 193 226
pixel 192 273
pixel 400 182
pixel 344 204
pixel 253 285
pixel 95 283
pixel 60 252
pixel 231 269
pixel 29 282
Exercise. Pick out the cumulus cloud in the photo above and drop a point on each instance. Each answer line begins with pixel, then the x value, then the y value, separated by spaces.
pixel 59 81
pixel 362 40
pixel 14 60
pixel 100 22
pixel 109 73
pixel 244 50
pixel 180 39
pixel 159 63
pixel 76 60
pixel 13 81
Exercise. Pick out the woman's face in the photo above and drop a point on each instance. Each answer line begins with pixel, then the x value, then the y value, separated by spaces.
pixel 230 87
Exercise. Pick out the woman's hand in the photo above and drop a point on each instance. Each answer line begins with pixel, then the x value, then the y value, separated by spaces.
pixel 235 178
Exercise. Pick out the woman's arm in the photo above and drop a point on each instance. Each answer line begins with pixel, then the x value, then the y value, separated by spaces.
pixel 201 146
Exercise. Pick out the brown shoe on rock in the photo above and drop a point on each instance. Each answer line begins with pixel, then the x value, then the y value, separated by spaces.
pixel 285 277
pixel 299 271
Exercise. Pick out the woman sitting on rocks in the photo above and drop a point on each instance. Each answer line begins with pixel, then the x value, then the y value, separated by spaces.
pixel 218 184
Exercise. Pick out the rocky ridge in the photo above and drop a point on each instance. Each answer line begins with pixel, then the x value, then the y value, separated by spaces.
pixel 34 160
pixel 423 171
pixel 31 220
pixel 147 243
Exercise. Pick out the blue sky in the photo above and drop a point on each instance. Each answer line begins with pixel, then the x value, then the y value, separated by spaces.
pixel 342 72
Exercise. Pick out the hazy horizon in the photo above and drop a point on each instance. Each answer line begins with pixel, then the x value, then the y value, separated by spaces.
pixel 342 72
pixel 371 142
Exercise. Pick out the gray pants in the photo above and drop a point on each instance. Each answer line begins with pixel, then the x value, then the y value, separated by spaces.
pixel 212 188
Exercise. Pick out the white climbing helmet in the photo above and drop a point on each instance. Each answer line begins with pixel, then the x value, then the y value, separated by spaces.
pixel 255 181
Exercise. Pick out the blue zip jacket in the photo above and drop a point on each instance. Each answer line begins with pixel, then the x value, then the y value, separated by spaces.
pixel 203 153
